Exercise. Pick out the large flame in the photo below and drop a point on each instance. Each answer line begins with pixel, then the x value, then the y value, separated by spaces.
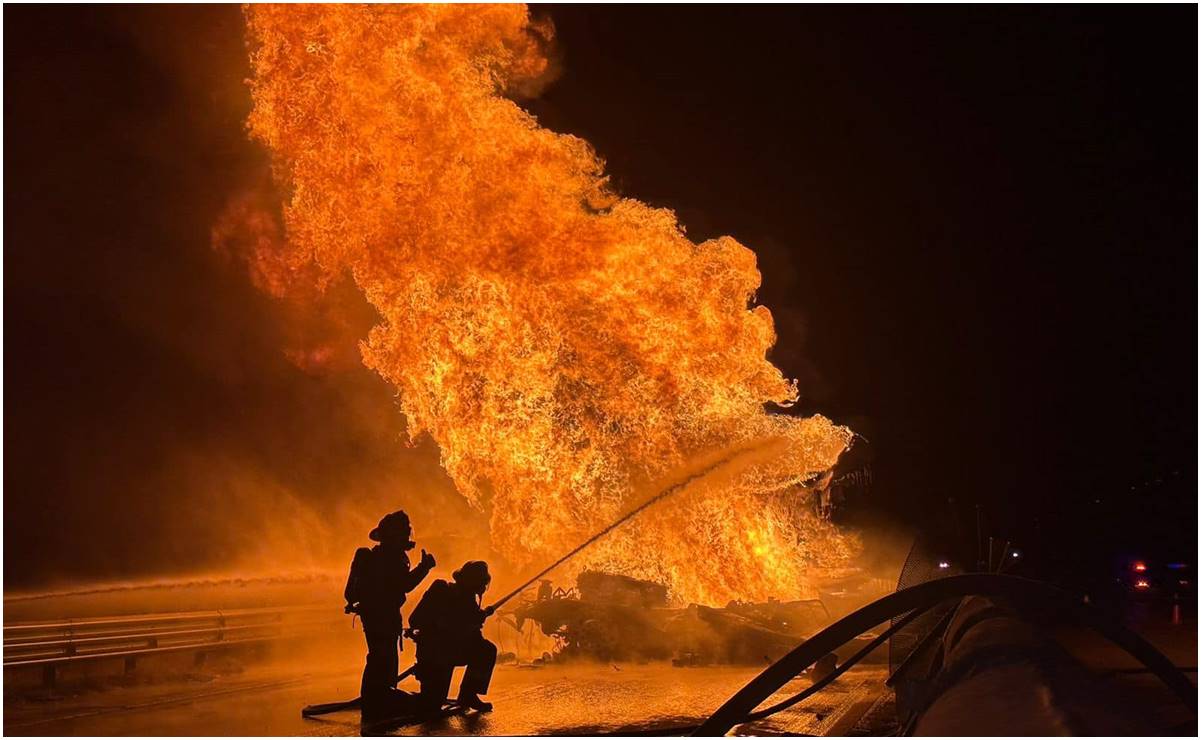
pixel 563 345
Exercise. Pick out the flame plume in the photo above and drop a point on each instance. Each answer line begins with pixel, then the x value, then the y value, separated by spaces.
pixel 563 345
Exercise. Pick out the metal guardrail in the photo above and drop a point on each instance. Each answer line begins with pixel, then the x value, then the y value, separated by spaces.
pixel 51 645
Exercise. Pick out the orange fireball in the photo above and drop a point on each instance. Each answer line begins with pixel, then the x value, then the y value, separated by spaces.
pixel 561 343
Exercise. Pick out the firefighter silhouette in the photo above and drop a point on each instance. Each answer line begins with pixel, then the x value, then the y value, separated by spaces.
pixel 380 578
pixel 447 625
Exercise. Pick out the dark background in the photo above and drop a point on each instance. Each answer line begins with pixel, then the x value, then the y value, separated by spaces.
pixel 976 226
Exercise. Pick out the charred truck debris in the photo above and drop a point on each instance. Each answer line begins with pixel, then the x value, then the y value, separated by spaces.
pixel 611 617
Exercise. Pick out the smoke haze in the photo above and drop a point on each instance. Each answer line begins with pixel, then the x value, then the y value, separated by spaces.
pixel 166 422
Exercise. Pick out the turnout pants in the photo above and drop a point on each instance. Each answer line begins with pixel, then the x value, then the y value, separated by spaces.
pixel 436 665
pixel 383 663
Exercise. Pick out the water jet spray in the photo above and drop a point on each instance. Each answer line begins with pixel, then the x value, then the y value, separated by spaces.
pixel 759 446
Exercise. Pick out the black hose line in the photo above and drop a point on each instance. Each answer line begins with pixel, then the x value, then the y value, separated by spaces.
pixel 841 669
pixel 1020 591
pixel 817 685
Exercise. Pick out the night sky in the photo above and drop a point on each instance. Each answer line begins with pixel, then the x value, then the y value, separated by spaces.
pixel 977 229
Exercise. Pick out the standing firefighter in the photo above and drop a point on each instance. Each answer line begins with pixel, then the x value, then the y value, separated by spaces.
pixel 375 590
pixel 448 626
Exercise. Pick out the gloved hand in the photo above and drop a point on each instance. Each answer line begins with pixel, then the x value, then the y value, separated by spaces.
pixel 427 560
pixel 489 611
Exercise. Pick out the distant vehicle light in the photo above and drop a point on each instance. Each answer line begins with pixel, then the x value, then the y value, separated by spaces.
pixel 1015 554
pixel 1139 567
pixel 1177 566
pixel 943 565
pixel 1183 583
pixel 1140 583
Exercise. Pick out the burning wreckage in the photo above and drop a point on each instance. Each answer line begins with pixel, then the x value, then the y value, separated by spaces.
pixel 617 618
pixel 614 617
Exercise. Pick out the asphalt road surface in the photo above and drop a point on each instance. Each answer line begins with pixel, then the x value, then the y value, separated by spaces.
pixel 562 700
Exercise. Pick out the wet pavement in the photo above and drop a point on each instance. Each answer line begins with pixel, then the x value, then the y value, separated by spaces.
pixel 556 700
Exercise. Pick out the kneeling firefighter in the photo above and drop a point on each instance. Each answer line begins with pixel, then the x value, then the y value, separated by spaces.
pixel 380 579
pixel 448 628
